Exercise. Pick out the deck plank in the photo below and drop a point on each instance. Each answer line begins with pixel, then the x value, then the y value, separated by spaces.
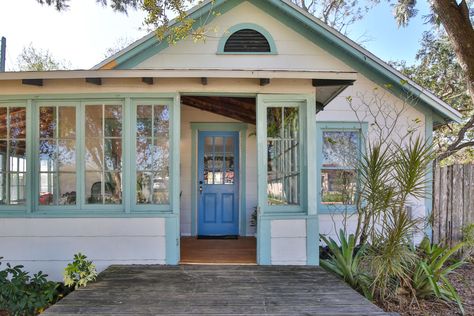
pixel 215 290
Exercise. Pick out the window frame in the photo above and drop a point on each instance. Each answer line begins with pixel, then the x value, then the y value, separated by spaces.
pixel 140 208
pixel 361 128
pixel 13 209
pixel 228 33
pixel 263 103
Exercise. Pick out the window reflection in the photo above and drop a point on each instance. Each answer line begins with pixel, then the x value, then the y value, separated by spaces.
pixel 103 154
pixel 340 152
pixel 219 160
pixel 152 156
pixel 12 155
pixel 57 155
pixel 283 167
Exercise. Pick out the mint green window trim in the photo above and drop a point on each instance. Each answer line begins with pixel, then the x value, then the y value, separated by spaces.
pixel 220 127
pixel 135 207
pixel 303 103
pixel 242 26
pixel 359 127
pixel 35 171
pixel 21 209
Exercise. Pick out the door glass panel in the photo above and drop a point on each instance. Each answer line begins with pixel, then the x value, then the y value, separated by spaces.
pixel 208 160
pixel 229 160
pixel 218 160
pixel 283 167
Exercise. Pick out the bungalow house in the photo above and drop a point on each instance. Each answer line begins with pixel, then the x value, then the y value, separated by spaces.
pixel 161 141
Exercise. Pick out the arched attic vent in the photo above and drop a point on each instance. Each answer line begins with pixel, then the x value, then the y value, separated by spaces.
pixel 247 38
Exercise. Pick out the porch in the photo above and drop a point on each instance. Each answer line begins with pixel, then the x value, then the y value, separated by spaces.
pixel 215 290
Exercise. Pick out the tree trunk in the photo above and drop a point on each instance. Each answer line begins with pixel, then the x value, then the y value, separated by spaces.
pixel 456 21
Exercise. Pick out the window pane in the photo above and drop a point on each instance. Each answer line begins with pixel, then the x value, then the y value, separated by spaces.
pixel 48 156
pixel 48 189
pixel 57 155
pixel 113 188
pixel 104 154
pixel 113 120
pixel 47 126
pixel 229 161
pixel 67 122
pixel 283 168
pixel 152 156
pixel 218 160
pixel 12 155
pixel 94 153
pixel 94 121
pixel 340 149
pixel 67 189
pixel 144 120
pixel 208 160
pixel 338 186
pixel 3 122
pixel 113 154
pixel 67 155
pixel 18 122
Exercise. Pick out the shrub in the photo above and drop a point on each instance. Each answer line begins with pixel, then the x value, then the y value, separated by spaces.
pixel 430 277
pixel 80 272
pixel 345 262
pixel 21 294
pixel 468 240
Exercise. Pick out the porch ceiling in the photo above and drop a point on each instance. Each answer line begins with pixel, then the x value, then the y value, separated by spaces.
pixel 241 109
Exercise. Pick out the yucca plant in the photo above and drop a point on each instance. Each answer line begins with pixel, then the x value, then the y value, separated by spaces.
pixel 430 276
pixel 345 261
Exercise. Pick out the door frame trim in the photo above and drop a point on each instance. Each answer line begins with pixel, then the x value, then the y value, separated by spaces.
pixel 241 128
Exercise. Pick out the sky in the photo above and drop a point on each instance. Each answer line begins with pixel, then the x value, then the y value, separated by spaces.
pixel 82 34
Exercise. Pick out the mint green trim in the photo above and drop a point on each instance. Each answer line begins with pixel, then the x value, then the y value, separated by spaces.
pixel 362 129
pixel 264 239
pixel 242 26
pixel 303 102
pixel 429 176
pixel 220 127
pixel 172 240
pixel 174 177
pixel 24 208
pixel 82 210
pixel 312 240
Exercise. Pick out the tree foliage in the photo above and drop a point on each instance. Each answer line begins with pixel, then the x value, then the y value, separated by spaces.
pixel 33 59
pixel 438 70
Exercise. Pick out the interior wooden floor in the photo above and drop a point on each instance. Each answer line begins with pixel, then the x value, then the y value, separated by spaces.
pixel 218 251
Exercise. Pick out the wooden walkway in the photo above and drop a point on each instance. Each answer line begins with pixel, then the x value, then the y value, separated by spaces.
pixel 215 290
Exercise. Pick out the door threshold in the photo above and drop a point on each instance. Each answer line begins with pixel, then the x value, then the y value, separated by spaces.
pixel 216 264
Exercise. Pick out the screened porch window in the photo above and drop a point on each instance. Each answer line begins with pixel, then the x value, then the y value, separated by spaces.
pixel 12 155
pixel 103 154
pixel 152 154
pixel 57 155
pixel 339 159
pixel 283 155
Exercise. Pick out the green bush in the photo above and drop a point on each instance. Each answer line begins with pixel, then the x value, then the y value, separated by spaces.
pixel 430 277
pixel 21 294
pixel 80 272
pixel 345 262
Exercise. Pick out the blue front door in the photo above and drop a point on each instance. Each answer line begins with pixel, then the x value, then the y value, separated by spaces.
pixel 218 183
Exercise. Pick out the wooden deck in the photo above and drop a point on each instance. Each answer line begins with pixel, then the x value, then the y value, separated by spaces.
pixel 218 251
pixel 215 290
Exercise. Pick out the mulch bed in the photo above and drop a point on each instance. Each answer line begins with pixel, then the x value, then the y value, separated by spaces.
pixel 462 280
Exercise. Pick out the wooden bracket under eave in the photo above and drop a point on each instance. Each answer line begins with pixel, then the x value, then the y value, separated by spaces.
pixel 96 81
pixel 264 81
pixel 204 81
pixel 148 80
pixel 33 82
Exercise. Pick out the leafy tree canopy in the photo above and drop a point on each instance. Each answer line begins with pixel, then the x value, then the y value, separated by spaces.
pixel 33 59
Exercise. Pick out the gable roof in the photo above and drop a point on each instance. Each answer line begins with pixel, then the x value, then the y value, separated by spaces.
pixel 311 28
